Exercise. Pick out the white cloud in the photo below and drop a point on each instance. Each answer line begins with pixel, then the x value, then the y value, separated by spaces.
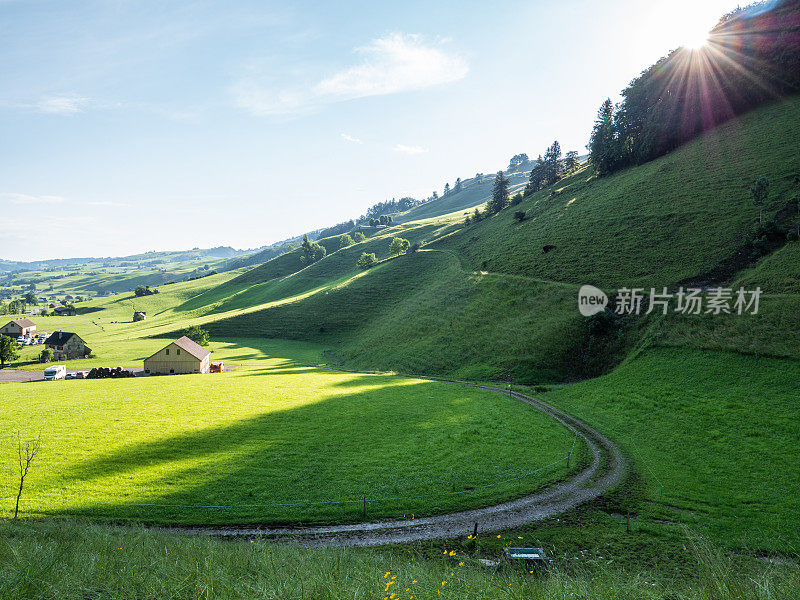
pixel 106 203
pixel 62 104
pixel 395 63
pixel 409 149
pixel 350 138
pixel 28 199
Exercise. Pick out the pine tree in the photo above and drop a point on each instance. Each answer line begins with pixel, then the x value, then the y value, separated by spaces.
pixel 552 164
pixel 499 199
pixel 571 161
pixel 446 189
pixel 603 145
pixel 457 187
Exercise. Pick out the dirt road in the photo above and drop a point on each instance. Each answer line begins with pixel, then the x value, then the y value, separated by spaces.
pixel 606 469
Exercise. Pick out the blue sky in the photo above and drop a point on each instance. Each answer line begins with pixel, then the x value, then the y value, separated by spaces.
pixel 132 126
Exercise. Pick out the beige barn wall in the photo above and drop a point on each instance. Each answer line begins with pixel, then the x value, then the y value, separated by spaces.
pixel 184 362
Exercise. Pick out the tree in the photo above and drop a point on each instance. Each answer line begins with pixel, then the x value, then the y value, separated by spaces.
pixel 552 164
pixel 365 261
pixel 537 177
pixel 520 215
pixel 518 161
pixel 16 307
pixel 458 186
pixel 359 237
pixel 517 199
pixel 197 334
pixel 312 251
pixel 3 308
pixel 499 199
pixel 46 355
pixel 8 350
pixel 144 290
pixel 345 240
pixel 446 189
pixel 760 194
pixel 603 141
pixel 385 220
pixel 571 161
pixel 373 222
pixel 399 246
pixel 25 454
pixel 476 215
pixel 30 298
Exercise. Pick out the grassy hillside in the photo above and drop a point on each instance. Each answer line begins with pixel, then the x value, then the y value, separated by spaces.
pixel 474 193
pixel 713 436
pixel 657 224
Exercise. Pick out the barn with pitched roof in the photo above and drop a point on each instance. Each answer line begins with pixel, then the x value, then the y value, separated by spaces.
pixel 18 327
pixel 181 356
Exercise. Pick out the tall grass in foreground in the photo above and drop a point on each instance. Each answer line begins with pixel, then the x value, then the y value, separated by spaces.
pixel 67 560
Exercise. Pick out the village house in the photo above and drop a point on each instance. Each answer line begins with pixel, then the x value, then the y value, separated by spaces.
pixel 64 311
pixel 139 315
pixel 67 346
pixel 18 327
pixel 181 356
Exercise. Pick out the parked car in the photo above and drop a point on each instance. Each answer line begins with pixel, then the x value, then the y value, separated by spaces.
pixel 69 376
pixel 54 372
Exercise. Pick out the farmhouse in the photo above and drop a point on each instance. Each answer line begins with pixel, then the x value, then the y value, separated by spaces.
pixel 181 356
pixel 139 315
pixel 18 327
pixel 64 311
pixel 67 346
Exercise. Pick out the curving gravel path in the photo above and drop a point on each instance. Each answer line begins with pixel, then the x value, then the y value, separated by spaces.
pixel 606 470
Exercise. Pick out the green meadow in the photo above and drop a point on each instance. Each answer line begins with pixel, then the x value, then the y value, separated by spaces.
pixel 75 561
pixel 280 442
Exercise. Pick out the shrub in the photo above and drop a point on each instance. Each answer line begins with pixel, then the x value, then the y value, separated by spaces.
pixel 144 290
pixel 345 240
pixel 520 215
pixel 414 247
pixel 197 334
pixel 365 261
pixel 793 235
pixel 398 246
pixel 516 199
pixel 46 355
pixel 358 237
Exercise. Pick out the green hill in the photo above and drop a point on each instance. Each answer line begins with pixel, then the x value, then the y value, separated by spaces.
pixel 474 193
pixel 659 224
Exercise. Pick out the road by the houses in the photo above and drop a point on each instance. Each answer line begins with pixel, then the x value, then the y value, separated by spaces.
pixel 20 376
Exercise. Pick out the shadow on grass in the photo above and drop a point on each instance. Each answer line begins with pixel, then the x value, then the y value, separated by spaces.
pixel 340 447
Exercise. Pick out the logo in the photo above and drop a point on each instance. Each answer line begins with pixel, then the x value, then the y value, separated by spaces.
pixel 591 300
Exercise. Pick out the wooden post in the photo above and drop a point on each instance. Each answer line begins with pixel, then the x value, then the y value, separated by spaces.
pixel 475 531
pixel 365 507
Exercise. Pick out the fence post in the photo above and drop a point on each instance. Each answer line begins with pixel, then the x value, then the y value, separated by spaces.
pixel 365 507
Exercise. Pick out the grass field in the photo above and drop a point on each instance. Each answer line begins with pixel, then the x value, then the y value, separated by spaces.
pixel 713 436
pixel 257 438
pixel 72 561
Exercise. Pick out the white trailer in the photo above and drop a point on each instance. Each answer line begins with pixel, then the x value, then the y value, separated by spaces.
pixel 55 372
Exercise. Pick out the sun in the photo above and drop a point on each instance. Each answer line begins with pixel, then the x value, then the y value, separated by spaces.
pixel 692 33
pixel 695 40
